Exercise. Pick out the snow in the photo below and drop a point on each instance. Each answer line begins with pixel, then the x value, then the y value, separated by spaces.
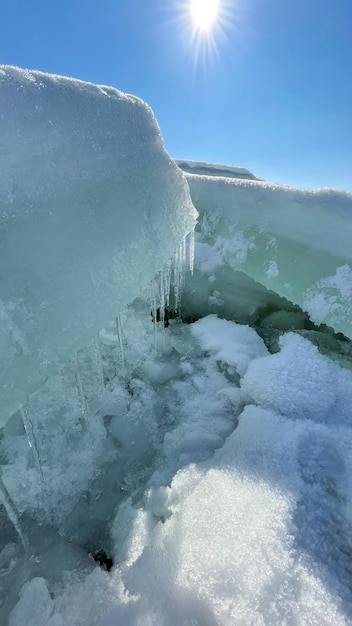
pixel 211 458
pixel 88 196
pixel 236 539
pixel 235 476
pixel 299 382
pixel 233 344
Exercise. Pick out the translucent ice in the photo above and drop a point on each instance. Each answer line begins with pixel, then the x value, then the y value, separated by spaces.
pixel 295 242
pixel 91 208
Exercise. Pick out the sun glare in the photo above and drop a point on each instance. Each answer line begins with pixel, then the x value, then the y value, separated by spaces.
pixel 207 27
pixel 204 13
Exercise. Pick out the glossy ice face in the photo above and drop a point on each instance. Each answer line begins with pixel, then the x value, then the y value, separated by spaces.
pixel 294 242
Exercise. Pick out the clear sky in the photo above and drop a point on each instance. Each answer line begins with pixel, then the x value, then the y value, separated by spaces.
pixel 269 89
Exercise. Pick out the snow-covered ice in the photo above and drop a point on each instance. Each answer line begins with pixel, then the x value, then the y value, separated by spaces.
pixel 215 169
pixel 209 453
pixel 92 207
pixel 293 241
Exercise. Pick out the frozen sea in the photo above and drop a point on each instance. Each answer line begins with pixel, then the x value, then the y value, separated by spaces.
pixel 176 402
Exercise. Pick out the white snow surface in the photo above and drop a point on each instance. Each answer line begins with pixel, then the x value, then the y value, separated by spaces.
pixel 295 242
pixel 91 208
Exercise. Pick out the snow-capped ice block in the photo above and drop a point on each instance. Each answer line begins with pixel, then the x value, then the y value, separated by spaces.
pixel 91 208
pixel 295 242
pixel 215 169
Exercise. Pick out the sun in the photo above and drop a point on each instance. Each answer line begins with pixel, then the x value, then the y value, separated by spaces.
pixel 206 28
pixel 204 14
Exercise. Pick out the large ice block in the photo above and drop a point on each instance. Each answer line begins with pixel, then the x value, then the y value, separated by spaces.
pixel 295 242
pixel 91 208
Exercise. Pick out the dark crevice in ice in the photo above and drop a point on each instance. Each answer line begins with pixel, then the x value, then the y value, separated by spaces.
pixel 234 296
pixel 105 561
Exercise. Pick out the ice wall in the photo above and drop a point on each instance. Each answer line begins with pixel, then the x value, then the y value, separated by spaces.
pixel 91 207
pixel 294 242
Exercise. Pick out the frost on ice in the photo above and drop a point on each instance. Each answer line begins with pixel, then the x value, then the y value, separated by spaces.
pixel 207 454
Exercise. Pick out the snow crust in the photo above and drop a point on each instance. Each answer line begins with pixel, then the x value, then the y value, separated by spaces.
pixel 88 197
pixel 292 241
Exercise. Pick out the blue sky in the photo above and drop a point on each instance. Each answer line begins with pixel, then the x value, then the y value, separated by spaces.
pixel 276 97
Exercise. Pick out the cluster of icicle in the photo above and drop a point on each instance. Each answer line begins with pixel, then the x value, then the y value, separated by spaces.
pixel 171 279
pixel 69 383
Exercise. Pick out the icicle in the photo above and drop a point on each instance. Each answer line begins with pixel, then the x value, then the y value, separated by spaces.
pixel 12 513
pixel 89 375
pixel 66 386
pixel 184 250
pixel 191 251
pixel 167 283
pixel 162 299
pixel 99 364
pixel 153 304
pixel 31 438
pixel 183 253
pixel 74 397
pixel 176 278
pixel 70 386
pixel 120 338
pixel 179 267
pixel 161 289
pixel 78 377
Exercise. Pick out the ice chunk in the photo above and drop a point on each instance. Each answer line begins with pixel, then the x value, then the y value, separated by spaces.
pixel 35 605
pixel 91 208
pixel 293 241
pixel 215 169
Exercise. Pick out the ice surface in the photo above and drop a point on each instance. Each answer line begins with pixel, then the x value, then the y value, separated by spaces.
pixel 292 241
pixel 88 197
pixel 35 605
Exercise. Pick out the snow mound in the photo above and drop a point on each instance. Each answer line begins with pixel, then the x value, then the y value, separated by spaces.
pixel 300 382
pixel 231 343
